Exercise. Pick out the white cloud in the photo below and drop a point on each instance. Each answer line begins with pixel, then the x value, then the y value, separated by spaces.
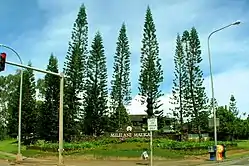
pixel 232 82
pixel 229 47
pixel 136 107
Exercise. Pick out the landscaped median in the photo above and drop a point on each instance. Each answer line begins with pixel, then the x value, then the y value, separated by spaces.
pixel 115 148
pixel 132 147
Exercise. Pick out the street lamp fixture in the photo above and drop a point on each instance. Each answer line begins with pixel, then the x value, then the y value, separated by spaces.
pixel 211 78
pixel 237 22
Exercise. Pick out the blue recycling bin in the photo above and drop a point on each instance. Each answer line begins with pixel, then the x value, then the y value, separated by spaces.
pixel 212 153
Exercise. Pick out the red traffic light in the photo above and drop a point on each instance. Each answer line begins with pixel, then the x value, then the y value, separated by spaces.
pixel 3 55
pixel 2 61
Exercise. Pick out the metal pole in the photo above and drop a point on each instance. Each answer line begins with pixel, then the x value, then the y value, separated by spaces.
pixel 212 82
pixel 61 162
pixel 19 154
pixel 212 91
pixel 151 149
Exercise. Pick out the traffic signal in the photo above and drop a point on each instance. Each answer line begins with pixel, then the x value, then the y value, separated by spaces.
pixel 2 61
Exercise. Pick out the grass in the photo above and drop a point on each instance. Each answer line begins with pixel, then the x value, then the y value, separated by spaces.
pixel 124 150
pixel 244 144
pixel 6 157
pixel 9 146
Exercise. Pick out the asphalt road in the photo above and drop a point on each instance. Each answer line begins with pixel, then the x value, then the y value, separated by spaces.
pixel 241 162
pixel 237 162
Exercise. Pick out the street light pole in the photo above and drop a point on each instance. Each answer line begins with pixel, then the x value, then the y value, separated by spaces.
pixel 211 78
pixel 19 155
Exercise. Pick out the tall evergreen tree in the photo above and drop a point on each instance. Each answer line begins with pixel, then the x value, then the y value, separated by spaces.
pixel 49 114
pixel 121 92
pixel 151 73
pixel 195 95
pixel 40 87
pixel 75 72
pixel 8 117
pixel 29 112
pixel 233 106
pixel 179 83
pixel 234 123
pixel 96 111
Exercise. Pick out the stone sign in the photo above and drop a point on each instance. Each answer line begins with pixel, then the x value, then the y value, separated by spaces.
pixel 137 134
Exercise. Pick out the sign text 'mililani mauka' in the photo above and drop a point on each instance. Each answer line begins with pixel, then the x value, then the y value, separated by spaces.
pixel 118 135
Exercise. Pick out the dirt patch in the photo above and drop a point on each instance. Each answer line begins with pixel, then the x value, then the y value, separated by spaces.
pixel 237 151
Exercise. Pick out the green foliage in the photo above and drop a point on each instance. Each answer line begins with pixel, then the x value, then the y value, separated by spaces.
pixel 75 70
pixel 135 144
pixel 8 87
pixel 175 145
pixel 179 82
pixel 195 96
pixel 40 86
pixel 119 119
pixel 96 110
pixel 121 92
pixel 29 116
pixel 151 73
pixel 49 119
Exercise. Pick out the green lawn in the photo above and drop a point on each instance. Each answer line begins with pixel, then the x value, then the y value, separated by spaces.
pixel 126 150
pixel 244 144
pixel 10 146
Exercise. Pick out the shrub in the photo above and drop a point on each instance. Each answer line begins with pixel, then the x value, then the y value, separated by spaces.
pixel 159 143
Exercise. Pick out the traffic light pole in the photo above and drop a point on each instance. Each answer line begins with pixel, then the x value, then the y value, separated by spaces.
pixel 19 155
pixel 61 75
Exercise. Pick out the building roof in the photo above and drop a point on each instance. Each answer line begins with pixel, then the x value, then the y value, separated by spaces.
pixel 138 117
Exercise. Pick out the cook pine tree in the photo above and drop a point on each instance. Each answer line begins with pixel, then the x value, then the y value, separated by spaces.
pixel 179 84
pixel 196 100
pixel 96 110
pixel 234 111
pixel 75 69
pixel 151 73
pixel 121 92
pixel 29 112
pixel 12 91
pixel 49 119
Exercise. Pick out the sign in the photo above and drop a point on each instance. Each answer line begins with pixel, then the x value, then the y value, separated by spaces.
pixel 152 124
pixel 128 128
pixel 120 135
pixel 211 122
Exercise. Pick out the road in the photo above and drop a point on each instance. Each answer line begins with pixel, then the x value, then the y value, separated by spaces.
pixel 238 162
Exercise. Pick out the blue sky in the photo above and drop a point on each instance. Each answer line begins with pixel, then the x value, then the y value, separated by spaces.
pixel 36 28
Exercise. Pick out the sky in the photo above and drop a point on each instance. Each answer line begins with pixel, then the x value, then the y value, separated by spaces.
pixel 37 28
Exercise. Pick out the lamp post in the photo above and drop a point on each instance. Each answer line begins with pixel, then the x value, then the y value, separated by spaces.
pixel 211 78
pixel 19 155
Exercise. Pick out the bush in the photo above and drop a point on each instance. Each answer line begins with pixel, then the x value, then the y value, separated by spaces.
pixel 159 143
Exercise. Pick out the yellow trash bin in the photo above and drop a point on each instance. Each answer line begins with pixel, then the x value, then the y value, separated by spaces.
pixel 220 149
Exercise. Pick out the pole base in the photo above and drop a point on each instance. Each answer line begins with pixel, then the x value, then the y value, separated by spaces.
pixel 19 157
pixel 61 164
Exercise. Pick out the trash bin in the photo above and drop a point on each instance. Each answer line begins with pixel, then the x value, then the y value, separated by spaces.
pixel 224 151
pixel 220 150
pixel 212 152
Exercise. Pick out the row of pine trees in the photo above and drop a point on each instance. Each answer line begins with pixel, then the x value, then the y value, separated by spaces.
pixel 86 98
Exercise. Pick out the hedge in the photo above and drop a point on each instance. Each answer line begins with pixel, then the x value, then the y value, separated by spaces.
pixel 159 143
